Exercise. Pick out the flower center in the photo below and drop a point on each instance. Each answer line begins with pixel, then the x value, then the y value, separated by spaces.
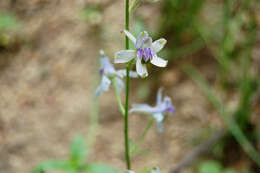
pixel 144 54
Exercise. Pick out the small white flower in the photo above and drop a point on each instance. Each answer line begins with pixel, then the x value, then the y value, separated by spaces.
pixel 146 51
pixel 155 170
pixel 129 171
pixel 108 72
pixel 158 111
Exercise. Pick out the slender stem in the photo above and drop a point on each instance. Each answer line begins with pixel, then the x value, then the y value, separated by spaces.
pixel 127 155
pixel 141 139
pixel 121 107
pixel 148 126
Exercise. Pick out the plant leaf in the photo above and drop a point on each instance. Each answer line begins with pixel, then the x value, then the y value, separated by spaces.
pixel 100 168
pixel 77 151
pixel 210 167
pixel 51 165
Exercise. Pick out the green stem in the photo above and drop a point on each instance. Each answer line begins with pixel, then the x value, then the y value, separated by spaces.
pixel 141 139
pixel 127 155
pixel 121 107
pixel 148 126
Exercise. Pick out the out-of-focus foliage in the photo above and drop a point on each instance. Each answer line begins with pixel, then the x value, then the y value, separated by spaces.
pixel 8 24
pixel 212 166
pixel 92 15
pixel 227 31
pixel 76 162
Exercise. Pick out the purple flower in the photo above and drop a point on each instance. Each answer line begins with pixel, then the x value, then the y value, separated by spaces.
pixel 158 111
pixel 146 51
pixel 108 73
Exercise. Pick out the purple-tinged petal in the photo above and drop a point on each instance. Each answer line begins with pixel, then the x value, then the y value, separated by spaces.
pixel 120 84
pixel 106 68
pixel 140 39
pixel 147 54
pixel 168 105
pixel 101 71
pixel 104 86
pixel 140 53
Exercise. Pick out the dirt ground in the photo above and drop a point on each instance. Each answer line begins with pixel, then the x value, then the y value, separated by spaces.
pixel 46 89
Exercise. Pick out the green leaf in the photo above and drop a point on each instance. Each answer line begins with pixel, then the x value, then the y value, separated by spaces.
pixel 51 165
pixel 100 168
pixel 78 151
pixel 210 167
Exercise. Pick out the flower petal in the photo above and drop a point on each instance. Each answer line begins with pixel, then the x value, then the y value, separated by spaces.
pixel 158 116
pixel 140 39
pixel 158 44
pixel 168 105
pixel 141 68
pixel 133 74
pixel 155 170
pixel 128 171
pixel 143 108
pixel 120 84
pixel 147 43
pixel 106 66
pixel 124 56
pixel 159 97
pixel 130 36
pixel 159 61
pixel 104 86
pixel 122 73
pixel 160 126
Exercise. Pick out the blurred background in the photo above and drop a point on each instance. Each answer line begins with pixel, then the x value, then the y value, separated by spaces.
pixel 49 71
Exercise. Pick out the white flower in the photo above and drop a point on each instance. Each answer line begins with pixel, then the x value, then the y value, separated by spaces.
pixel 155 170
pixel 108 73
pixel 146 51
pixel 158 111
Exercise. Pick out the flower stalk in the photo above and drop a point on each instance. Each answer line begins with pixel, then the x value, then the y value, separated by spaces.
pixel 127 154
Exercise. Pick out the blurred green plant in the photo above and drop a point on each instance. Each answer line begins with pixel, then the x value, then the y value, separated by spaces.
pixel 76 162
pixel 92 14
pixel 232 125
pixel 228 31
pixel 211 166
pixel 8 24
